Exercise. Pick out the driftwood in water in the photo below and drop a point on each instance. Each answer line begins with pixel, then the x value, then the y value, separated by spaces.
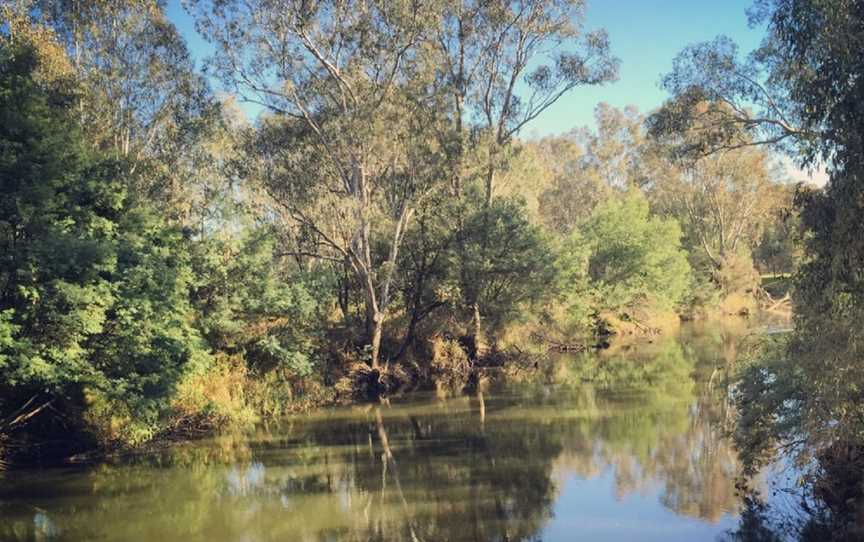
pixel 647 330
pixel 769 304
pixel 557 346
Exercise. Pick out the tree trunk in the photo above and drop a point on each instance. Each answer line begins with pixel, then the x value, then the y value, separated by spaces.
pixel 490 181
pixel 477 330
pixel 409 334
pixel 480 347
pixel 377 330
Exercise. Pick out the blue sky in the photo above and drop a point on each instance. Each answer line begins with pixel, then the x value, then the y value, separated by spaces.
pixel 644 34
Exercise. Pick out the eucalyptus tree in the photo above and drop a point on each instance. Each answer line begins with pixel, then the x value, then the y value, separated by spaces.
pixel 341 146
pixel 139 96
pixel 807 396
pixel 732 102
pixel 141 87
pixel 503 65
pixel 618 152
pixel 800 90
pixel 724 201
pixel 591 165
pixel 570 195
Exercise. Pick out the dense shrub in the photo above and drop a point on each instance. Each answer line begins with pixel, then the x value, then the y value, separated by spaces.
pixel 623 258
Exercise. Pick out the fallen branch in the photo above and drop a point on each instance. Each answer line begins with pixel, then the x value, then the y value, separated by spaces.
pixel 22 414
pixel 557 346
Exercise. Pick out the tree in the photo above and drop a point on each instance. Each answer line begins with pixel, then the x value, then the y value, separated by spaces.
pixel 778 250
pixel 140 97
pixel 505 259
pixel 623 258
pixel 427 281
pixel 499 71
pixel 730 103
pixel 93 285
pixel 248 302
pixel 806 394
pixel 724 201
pixel 589 166
pixel 503 65
pixel 569 196
pixel 619 151
pixel 338 79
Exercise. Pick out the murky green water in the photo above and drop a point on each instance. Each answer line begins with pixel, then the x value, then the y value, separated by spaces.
pixel 637 454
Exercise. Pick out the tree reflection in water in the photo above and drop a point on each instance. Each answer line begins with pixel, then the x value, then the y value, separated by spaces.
pixel 485 467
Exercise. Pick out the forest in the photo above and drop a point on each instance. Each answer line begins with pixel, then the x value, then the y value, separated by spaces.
pixel 171 266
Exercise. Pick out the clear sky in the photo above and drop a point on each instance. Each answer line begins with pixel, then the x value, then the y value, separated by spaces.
pixel 646 35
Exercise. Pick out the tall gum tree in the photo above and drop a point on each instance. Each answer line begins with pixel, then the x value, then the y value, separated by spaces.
pixel 817 63
pixel 504 64
pixel 724 201
pixel 801 91
pixel 140 97
pixel 727 101
pixel 342 146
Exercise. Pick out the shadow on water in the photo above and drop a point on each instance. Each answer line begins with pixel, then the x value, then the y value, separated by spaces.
pixel 629 444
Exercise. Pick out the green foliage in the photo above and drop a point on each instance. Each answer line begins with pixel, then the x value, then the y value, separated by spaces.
pixel 574 283
pixel 767 395
pixel 94 284
pixel 736 273
pixel 704 293
pixel 778 251
pixel 807 394
pixel 111 310
pixel 149 342
pixel 624 257
pixel 246 304
pixel 140 97
pixel 164 264
pixel 506 262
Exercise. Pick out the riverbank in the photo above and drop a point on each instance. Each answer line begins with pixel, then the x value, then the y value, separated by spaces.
pixel 229 398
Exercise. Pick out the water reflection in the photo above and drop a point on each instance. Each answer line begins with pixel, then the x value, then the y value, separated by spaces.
pixel 628 444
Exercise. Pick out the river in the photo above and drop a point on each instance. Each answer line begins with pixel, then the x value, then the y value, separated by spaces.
pixel 627 444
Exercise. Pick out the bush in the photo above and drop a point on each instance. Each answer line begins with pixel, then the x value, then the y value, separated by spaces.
pixel 622 259
pixel 506 263
pixel 736 274
pixel 123 323
pixel 95 285
pixel 248 304
pixel 450 366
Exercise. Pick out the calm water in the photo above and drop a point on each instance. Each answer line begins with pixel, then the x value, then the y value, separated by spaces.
pixel 628 445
